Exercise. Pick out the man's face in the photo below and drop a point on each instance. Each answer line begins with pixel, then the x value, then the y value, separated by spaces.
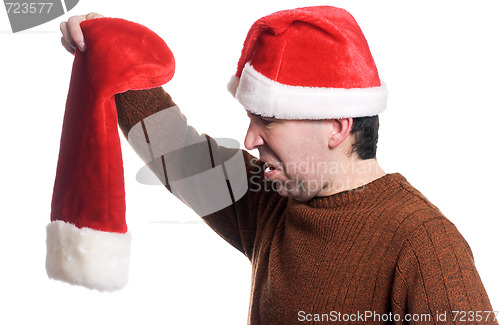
pixel 294 153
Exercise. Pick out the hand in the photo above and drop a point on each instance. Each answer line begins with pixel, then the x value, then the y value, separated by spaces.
pixel 72 36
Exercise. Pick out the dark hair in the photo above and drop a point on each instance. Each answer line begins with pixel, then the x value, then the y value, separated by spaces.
pixel 365 131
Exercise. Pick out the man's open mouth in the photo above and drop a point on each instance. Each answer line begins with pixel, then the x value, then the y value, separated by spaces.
pixel 268 168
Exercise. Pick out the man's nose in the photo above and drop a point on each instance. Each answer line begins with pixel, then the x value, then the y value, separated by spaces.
pixel 253 138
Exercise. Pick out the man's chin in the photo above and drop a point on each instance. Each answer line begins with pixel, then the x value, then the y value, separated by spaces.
pixel 296 195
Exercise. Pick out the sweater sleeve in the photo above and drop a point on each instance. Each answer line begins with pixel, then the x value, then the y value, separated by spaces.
pixel 216 179
pixel 436 281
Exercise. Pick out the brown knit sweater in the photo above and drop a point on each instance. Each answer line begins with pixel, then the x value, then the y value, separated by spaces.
pixel 373 255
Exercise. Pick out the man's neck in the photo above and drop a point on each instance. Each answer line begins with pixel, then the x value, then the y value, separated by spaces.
pixel 352 174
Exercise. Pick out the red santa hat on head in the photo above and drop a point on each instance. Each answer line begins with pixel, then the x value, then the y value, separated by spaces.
pixel 87 240
pixel 308 63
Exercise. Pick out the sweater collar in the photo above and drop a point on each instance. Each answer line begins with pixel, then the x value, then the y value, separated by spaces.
pixel 359 195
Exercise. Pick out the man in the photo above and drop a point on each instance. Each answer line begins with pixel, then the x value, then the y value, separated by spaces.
pixel 330 235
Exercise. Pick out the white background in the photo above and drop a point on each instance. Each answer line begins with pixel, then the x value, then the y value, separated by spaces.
pixel 440 60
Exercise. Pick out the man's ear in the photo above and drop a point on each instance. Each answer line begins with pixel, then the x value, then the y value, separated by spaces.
pixel 339 130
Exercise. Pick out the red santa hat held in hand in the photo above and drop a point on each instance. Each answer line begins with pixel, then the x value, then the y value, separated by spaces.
pixel 308 63
pixel 87 241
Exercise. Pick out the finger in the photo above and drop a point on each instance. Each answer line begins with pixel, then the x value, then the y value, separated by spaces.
pixel 75 31
pixel 66 40
pixel 92 15
pixel 68 48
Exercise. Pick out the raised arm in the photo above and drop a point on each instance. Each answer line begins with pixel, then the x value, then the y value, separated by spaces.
pixel 212 179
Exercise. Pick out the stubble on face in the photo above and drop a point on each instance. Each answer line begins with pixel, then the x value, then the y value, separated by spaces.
pixel 292 153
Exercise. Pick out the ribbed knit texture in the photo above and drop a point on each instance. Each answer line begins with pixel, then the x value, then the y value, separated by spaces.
pixel 135 105
pixel 382 249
